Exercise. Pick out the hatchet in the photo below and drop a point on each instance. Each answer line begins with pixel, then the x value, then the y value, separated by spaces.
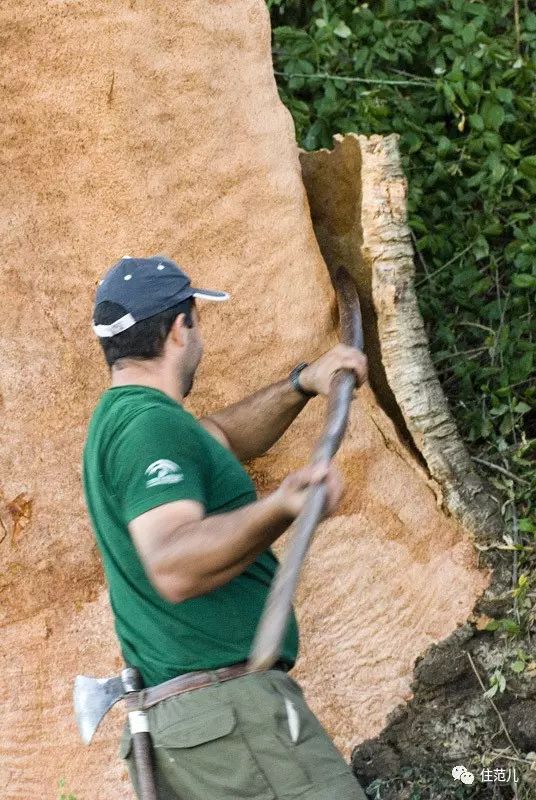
pixel 273 624
pixel 94 697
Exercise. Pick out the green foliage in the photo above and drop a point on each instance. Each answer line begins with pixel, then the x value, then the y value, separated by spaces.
pixel 497 684
pixel 456 80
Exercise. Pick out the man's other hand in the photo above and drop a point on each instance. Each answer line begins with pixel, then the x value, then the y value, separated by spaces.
pixel 293 490
pixel 317 376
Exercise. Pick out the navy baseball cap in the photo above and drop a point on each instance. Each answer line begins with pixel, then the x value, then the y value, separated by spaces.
pixel 145 287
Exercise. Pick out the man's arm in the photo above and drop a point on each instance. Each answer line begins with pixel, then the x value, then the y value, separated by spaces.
pixel 186 554
pixel 254 424
pixel 250 427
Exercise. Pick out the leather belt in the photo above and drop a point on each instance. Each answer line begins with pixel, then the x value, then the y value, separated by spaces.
pixel 187 683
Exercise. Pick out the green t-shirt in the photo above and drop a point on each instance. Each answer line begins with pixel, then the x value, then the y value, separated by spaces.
pixel 143 450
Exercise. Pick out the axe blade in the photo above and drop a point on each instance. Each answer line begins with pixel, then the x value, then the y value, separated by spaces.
pixel 93 698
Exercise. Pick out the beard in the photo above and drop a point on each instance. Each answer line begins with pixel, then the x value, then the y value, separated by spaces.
pixel 190 363
pixel 188 383
pixel 188 373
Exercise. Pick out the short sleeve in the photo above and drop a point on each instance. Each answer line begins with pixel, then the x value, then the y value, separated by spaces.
pixel 156 459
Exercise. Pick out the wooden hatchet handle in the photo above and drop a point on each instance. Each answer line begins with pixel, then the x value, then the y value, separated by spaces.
pixel 273 624
pixel 141 738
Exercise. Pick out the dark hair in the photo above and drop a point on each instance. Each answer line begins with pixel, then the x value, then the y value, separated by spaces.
pixel 145 339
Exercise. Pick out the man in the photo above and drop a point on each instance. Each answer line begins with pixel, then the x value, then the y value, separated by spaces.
pixel 186 548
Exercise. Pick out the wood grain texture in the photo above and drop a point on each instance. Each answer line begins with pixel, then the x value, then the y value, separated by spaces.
pixel 156 128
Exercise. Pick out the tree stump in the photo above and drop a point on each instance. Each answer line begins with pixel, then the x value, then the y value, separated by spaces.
pixel 156 127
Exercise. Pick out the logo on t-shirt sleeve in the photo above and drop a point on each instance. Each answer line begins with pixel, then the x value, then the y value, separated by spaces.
pixel 163 472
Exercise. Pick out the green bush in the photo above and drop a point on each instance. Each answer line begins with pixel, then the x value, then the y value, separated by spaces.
pixel 456 80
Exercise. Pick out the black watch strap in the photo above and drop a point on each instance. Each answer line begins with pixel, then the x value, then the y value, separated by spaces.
pixel 294 378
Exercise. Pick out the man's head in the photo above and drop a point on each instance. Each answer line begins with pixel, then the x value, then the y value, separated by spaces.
pixel 145 312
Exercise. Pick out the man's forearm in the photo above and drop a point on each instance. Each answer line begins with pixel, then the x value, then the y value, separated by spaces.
pixel 201 556
pixel 255 423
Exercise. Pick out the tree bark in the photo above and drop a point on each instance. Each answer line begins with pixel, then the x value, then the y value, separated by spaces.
pixel 357 196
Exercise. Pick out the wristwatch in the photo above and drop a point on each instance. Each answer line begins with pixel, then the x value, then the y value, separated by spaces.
pixel 295 380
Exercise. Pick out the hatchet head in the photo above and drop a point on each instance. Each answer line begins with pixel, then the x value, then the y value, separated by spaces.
pixel 93 698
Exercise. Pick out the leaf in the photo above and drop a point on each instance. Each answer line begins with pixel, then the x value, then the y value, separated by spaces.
pixel 527 166
pixel 518 666
pixel 498 171
pixel 504 95
pixel 342 31
pixel 443 146
pixel 492 114
pixel 313 135
pixel 511 152
pixel 493 228
pixel 509 625
pixel 476 122
pixel 506 425
pixel 468 34
pixel 412 142
pixel 492 140
pixel 302 65
pixel 530 22
pixel 449 93
pixel 521 367
pixel 296 83
pixel 523 281
pixel 447 22
pixel 474 91
pixel 360 58
pixel 481 248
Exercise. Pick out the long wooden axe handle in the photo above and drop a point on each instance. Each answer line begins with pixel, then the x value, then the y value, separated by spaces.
pixel 273 624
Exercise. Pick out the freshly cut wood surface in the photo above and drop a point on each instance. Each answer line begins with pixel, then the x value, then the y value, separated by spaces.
pixel 156 128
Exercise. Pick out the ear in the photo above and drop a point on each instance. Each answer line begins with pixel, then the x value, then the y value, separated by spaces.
pixel 177 334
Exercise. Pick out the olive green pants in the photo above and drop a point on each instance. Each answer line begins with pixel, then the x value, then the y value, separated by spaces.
pixel 250 738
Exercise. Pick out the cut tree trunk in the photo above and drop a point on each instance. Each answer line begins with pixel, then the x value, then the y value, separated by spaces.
pixel 183 147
